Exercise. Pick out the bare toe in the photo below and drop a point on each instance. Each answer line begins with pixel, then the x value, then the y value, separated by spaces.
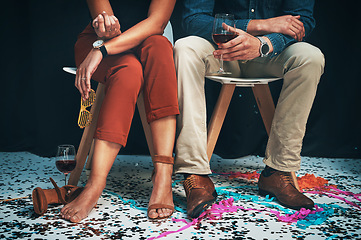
pixel 75 218
pixel 161 212
pixel 64 210
pixel 153 213
pixel 167 212
pixel 71 212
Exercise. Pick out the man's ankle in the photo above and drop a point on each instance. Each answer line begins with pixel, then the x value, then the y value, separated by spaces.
pixel 268 171
pixel 186 175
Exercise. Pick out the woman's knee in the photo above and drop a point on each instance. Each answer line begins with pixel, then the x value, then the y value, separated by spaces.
pixel 157 44
pixel 157 49
pixel 127 78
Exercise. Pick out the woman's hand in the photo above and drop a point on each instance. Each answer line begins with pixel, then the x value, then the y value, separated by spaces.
pixel 105 26
pixel 86 70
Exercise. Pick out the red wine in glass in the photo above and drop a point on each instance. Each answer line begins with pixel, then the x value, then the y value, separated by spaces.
pixel 65 159
pixel 65 166
pixel 221 34
pixel 219 38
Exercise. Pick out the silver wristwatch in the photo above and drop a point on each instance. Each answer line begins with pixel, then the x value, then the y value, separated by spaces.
pixel 99 44
pixel 264 48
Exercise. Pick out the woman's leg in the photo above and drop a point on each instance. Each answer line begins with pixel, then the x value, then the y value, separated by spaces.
pixel 123 76
pixel 163 135
pixel 160 98
pixel 104 155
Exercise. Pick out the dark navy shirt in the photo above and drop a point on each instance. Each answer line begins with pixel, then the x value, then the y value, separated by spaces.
pixel 197 16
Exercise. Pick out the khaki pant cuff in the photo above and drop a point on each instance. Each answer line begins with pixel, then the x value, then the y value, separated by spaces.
pixel 196 171
pixel 281 167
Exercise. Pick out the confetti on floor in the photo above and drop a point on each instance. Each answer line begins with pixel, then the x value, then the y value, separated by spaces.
pixel 240 212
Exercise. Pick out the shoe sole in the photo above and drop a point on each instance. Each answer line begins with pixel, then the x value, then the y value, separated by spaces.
pixel 203 206
pixel 265 193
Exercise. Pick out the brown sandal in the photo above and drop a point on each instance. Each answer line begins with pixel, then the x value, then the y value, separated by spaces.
pixel 43 197
pixel 166 160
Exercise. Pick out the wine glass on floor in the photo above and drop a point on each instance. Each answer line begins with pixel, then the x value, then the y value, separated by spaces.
pixel 221 34
pixel 65 159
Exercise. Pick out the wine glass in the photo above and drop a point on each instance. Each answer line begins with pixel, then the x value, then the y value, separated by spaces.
pixel 65 159
pixel 221 34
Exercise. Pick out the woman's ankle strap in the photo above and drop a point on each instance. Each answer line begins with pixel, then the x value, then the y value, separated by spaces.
pixel 163 159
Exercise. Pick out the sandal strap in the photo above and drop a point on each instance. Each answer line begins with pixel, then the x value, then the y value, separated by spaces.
pixel 163 159
pixel 61 198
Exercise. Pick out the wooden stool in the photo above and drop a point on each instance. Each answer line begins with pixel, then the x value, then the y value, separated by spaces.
pixel 263 98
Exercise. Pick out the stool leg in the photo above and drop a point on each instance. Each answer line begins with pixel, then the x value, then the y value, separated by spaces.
pixel 90 157
pixel 87 137
pixel 146 127
pixel 218 115
pixel 294 178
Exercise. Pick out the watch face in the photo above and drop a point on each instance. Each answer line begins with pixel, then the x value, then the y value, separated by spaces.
pixel 98 43
pixel 265 49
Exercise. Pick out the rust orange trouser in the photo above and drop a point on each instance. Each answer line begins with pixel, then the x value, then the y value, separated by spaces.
pixel 148 67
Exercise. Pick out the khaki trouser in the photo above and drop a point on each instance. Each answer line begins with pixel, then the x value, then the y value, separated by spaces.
pixel 300 65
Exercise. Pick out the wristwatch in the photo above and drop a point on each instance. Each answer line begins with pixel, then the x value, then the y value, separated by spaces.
pixel 99 44
pixel 264 48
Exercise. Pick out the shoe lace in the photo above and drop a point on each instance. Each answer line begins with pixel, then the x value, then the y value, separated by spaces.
pixel 190 183
pixel 286 176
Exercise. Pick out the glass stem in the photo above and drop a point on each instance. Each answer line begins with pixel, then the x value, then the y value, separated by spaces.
pixel 65 174
pixel 221 64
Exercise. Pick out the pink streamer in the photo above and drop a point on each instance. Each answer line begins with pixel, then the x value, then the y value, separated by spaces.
pixel 179 230
pixel 302 214
pixel 335 192
pixel 330 194
pixel 347 193
pixel 213 213
pixel 216 211
pixel 247 175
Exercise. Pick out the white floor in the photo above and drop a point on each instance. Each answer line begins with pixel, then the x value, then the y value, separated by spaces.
pixel 121 210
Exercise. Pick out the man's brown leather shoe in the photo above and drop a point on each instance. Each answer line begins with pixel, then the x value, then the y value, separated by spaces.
pixel 200 194
pixel 280 185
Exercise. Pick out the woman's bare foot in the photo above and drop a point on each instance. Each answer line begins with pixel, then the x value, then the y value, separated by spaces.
pixel 162 191
pixel 80 207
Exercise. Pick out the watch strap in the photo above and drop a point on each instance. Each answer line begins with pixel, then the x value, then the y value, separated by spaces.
pixel 263 42
pixel 104 51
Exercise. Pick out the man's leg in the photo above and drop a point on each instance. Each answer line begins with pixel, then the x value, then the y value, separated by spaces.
pixel 301 66
pixel 193 59
pixel 190 56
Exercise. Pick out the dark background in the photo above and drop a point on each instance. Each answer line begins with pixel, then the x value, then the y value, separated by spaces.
pixel 40 103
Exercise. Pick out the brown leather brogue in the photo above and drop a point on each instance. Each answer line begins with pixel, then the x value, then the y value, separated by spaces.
pixel 43 197
pixel 200 194
pixel 280 185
